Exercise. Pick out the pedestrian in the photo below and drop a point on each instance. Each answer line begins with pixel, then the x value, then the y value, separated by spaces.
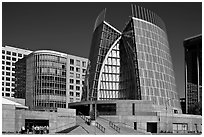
pixel 33 129
pixel 44 130
pixel 27 129
pixel 37 129
pixel 47 128
pixel 22 130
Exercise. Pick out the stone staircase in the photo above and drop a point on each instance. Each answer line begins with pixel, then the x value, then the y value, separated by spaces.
pixel 102 127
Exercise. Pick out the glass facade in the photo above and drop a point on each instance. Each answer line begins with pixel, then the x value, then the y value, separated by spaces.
pixel 109 76
pixel 156 73
pixel 193 72
pixel 135 64
pixel 104 36
pixel 49 81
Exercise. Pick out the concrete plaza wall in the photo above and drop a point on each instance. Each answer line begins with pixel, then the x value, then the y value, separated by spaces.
pixel 13 119
pixel 60 120
pixel 145 112
pixel 8 118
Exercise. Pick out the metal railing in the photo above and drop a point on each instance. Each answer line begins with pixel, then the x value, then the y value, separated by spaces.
pixel 112 125
pixel 100 127
pixel 87 120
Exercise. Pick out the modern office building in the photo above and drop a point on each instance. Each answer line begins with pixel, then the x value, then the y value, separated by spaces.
pixel 10 55
pixel 130 78
pixel 52 79
pixel 193 71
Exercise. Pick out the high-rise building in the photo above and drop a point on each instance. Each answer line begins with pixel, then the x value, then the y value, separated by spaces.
pixel 52 79
pixel 193 71
pixel 134 64
pixel 10 55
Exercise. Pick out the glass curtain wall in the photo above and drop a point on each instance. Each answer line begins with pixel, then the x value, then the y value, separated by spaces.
pixel 50 82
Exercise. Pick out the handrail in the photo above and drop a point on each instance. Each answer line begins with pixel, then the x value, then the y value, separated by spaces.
pixel 84 117
pixel 116 128
pixel 100 127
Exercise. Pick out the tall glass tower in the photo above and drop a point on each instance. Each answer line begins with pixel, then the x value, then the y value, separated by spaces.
pixel 134 64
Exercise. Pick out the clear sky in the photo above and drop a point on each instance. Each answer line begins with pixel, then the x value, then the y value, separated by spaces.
pixel 68 27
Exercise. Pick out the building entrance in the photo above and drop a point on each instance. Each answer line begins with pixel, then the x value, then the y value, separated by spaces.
pixel 152 127
pixel 30 123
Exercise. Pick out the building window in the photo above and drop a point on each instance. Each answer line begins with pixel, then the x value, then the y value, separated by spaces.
pixel 7 84
pixel 8 53
pixel 82 82
pixel 2 67
pixel 71 68
pixel 83 76
pixel 77 75
pixel 2 94
pixel 2 78
pixel 71 74
pixel 77 94
pixel 3 51
pixel 175 111
pixel 8 63
pixel 7 89
pixel 71 99
pixel 7 79
pixel 8 68
pixel 71 93
pixel 78 62
pixel 77 81
pixel 71 81
pixel 77 69
pixel 2 72
pixel 7 73
pixel 83 64
pixel 133 108
pixel 72 61
pixel 3 62
pixel 13 59
pixel 77 88
pixel 63 66
pixel 3 57
pixel 71 87
pixel 8 58
pixel 7 95
pixel 20 55
pixel 13 53
pixel 2 83
pixel 84 70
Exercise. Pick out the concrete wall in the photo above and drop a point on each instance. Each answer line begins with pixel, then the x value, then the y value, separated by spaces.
pixel 8 118
pixel 147 112
pixel 29 82
pixel 13 119
pixel 17 100
pixel 58 121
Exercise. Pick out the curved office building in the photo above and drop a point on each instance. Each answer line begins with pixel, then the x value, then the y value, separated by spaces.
pixel 134 64
pixel 46 80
